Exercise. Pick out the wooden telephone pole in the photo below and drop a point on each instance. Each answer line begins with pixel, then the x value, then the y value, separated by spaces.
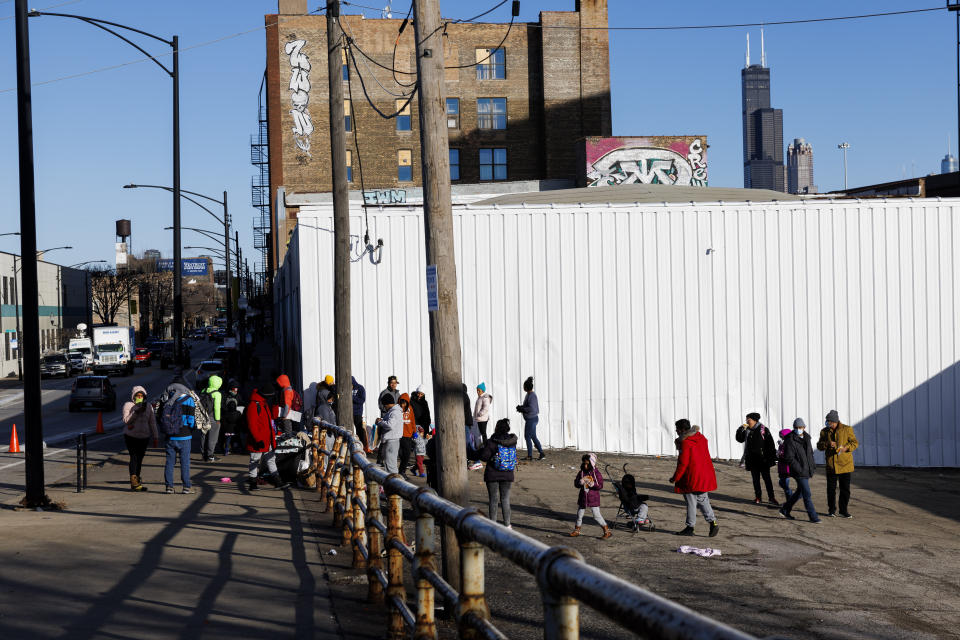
pixel 341 220
pixel 438 229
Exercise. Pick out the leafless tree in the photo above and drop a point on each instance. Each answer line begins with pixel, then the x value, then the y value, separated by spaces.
pixel 110 290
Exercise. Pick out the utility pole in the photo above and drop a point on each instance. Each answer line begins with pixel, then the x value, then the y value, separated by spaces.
pixel 30 340
pixel 341 220
pixel 843 146
pixel 226 268
pixel 438 231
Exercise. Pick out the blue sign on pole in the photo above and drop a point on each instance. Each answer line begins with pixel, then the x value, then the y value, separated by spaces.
pixel 188 266
pixel 433 298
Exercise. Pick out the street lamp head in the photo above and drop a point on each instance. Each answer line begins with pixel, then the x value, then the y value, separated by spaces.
pixel 130 186
pixel 33 13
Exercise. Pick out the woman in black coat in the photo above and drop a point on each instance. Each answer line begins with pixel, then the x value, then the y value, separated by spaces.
pixel 798 455
pixel 500 454
pixel 760 454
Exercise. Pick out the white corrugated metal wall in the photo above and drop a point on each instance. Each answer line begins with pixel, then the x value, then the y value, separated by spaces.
pixel 632 316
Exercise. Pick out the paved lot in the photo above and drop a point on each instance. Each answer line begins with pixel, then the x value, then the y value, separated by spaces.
pixel 891 572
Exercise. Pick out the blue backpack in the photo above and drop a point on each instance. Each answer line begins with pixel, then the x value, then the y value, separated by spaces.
pixel 171 417
pixel 505 458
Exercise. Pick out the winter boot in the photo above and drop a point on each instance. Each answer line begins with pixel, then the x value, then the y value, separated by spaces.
pixel 606 533
pixel 252 484
pixel 575 532
pixel 688 531
pixel 135 484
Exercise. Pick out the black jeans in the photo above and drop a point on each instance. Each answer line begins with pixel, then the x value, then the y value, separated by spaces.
pixel 361 430
pixel 406 448
pixel 844 480
pixel 483 431
pixel 138 449
pixel 765 472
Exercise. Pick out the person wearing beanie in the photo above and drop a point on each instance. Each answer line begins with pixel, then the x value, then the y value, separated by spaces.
pixel 838 442
pixel 798 456
pixel 783 469
pixel 760 455
pixel 530 410
pixel 694 476
pixel 391 430
pixel 481 410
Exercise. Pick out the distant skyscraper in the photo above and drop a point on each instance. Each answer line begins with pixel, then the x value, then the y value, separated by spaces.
pixel 800 167
pixel 762 127
pixel 948 164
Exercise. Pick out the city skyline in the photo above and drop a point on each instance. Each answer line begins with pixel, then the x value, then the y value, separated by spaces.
pixel 762 126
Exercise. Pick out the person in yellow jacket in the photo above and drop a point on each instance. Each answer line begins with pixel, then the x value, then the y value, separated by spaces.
pixel 838 442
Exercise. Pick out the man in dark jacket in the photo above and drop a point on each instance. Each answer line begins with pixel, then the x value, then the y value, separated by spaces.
pixel 230 418
pixel 798 455
pixel 359 399
pixel 498 480
pixel 760 454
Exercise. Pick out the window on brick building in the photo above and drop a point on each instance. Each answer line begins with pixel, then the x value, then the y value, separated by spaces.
pixel 454 164
pixel 492 113
pixel 347 116
pixel 453 113
pixel 493 164
pixel 491 64
pixel 344 67
pixel 349 166
pixel 403 117
pixel 405 165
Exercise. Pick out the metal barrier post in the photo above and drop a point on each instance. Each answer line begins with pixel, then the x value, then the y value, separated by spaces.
pixel 83 440
pixel 345 498
pixel 359 525
pixel 473 602
pixel 375 543
pixel 426 628
pixel 395 590
pixel 330 477
pixel 561 613
pixel 311 477
pixel 337 497
pixel 321 466
pixel 79 467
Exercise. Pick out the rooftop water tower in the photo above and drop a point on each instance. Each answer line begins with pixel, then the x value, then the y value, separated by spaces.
pixel 123 232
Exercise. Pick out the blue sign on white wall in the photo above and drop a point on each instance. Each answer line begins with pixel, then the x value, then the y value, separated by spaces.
pixel 433 299
pixel 189 266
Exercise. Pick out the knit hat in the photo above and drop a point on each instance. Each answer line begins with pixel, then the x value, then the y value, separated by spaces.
pixel 799 423
pixel 754 416
pixel 328 380
pixel 785 432
pixel 833 416
pixel 683 425
pixel 482 386
pixel 419 389
pixel 386 399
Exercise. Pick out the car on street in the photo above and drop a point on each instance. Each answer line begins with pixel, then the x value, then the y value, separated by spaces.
pixel 168 355
pixel 78 361
pixel 55 365
pixel 156 348
pixel 90 392
pixel 209 368
pixel 143 357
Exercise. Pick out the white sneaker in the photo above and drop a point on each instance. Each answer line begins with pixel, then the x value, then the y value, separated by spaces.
pixel 510 526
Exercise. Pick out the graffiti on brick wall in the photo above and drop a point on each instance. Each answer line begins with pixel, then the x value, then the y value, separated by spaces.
pixel 300 94
pixel 680 161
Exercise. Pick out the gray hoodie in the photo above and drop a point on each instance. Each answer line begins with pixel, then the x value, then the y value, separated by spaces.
pixel 392 424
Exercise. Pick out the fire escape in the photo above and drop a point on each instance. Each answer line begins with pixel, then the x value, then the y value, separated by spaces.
pixel 260 186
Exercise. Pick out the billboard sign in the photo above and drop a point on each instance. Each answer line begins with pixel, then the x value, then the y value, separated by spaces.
pixel 189 266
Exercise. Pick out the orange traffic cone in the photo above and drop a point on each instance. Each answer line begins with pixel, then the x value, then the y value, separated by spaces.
pixel 14 443
pixel 99 421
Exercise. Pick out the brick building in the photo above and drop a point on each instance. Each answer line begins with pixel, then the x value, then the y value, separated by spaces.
pixel 515 116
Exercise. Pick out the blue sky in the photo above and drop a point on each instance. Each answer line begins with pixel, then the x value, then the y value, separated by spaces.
pixel 885 85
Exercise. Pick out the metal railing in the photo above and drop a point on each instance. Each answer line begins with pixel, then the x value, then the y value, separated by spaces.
pixel 349 485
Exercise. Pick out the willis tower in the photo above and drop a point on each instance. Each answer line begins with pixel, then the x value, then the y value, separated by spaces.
pixel 762 127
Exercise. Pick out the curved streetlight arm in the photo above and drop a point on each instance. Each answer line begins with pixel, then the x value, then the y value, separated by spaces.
pixel 209 234
pixel 99 24
pixel 182 192
pixel 219 252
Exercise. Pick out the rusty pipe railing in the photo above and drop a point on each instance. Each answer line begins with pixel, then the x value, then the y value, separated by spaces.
pixel 565 580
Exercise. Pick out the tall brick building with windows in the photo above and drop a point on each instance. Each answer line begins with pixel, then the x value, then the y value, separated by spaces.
pixel 514 111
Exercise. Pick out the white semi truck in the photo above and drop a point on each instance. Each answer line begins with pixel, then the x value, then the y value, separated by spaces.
pixel 113 350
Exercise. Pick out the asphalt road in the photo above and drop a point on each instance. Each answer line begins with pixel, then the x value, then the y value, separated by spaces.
pixel 61 428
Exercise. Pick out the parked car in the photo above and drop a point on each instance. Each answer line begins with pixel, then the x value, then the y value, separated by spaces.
pixel 168 355
pixel 143 356
pixel 93 392
pixel 156 348
pixel 55 365
pixel 208 368
pixel 78 361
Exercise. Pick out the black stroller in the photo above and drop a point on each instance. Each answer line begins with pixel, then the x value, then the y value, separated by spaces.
pixel 632 510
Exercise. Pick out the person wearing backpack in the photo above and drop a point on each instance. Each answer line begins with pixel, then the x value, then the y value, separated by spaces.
pixel 287 401
pixel 500 454
pixel 798 455
pixel 177 422
pixel 212 401
pixel 261 441
pixel 761 455
pixel 231 419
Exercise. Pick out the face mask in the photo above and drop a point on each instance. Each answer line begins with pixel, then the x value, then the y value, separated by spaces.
pixel 138 400
pixel 798 429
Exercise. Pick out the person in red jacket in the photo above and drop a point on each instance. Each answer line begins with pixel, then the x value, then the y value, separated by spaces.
pixel 695 476
pixel 260 440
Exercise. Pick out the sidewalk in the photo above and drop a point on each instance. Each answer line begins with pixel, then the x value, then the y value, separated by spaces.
pixel 223 563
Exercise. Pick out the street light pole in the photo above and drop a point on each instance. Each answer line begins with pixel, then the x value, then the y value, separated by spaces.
pixel 33 460
pixel 843 146
pixel 177 265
